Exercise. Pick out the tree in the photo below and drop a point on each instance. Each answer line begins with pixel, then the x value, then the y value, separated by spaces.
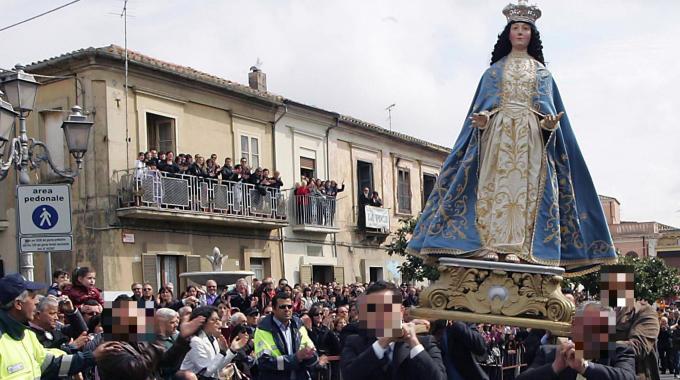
pixel 414 268
pixel 654 280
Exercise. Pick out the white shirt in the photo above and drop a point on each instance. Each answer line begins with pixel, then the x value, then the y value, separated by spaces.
pixel 380 352
pixel 205 354
pixel 286 334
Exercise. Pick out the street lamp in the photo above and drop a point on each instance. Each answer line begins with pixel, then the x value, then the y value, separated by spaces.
pixel 26 153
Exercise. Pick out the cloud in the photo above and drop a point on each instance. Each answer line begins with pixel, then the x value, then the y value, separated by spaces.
pixel 613 61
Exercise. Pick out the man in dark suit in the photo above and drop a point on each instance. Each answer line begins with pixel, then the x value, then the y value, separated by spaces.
pixel 383 347
pixel 591 355
pixel 460 343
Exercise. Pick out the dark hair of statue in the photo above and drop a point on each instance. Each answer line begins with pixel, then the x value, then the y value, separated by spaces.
pixel 503 45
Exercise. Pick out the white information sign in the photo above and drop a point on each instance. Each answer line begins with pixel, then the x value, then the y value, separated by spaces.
pixel 46 244
pixel 44 209
pixel 377 217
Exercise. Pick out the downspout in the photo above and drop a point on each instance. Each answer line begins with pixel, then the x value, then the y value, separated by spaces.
pixel 276 120
pixel 328 173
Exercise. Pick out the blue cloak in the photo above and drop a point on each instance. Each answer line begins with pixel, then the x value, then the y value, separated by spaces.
pixel 570 229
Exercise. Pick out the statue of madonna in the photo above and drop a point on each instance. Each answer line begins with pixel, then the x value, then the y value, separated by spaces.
pixel 515 186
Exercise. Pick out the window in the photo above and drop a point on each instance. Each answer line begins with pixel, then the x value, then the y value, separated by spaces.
pixel 403 191
pixel 314 250
pixel 168 270
pixel 364 175
pixel 250 150
pixel 307 167
pixel 160 132
pixel 257 267
pixel 428 185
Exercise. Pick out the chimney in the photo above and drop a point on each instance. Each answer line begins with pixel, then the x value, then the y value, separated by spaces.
pixel 257 80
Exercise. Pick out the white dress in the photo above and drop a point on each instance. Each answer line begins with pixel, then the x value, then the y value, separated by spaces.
pixel 511 159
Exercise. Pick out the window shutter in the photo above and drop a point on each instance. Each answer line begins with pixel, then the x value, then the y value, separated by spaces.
pixel 150 269
pixel 193 263
pixel 306 274
pixel 339 274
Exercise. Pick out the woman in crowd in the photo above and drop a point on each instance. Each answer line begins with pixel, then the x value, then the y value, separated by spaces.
pixel 210 352
pixel 166 299
pixel 307 299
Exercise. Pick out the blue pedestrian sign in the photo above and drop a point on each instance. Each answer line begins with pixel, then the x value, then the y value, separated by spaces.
pixel 45 217
pixel 44 210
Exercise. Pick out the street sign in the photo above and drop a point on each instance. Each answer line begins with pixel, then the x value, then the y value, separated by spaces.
pixel 46 244
pixel 44 209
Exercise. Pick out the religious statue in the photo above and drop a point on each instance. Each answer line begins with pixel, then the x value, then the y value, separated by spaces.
pixel 216 259
pixel 515 187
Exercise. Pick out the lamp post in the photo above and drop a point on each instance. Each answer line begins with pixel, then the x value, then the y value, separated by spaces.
pixel 26 153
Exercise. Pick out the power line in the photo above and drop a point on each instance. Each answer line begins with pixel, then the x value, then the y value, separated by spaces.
pixel 40 15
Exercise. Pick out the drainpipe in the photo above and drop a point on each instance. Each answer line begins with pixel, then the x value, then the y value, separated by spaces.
pixel 328 173
pixel 276 120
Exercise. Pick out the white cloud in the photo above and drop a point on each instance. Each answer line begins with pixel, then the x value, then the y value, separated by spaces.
pixel 613 60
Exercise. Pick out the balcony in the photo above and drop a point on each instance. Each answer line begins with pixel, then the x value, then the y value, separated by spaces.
pixel 373 223
pixel 154 195
pixel 314 214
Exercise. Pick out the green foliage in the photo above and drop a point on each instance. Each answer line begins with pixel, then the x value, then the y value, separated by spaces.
pixel 654 280
pixel 414 268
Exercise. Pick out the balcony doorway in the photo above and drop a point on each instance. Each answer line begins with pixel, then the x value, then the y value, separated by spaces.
pixel 375 274
pixel 322 274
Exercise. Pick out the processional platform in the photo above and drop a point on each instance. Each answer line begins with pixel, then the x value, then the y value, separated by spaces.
pixel 522 295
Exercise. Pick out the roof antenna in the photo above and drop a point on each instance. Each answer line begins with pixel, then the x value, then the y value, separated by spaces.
pixel 389 113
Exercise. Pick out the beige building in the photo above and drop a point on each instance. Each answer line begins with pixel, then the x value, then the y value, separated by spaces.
pixel 132 224
pixel 636 239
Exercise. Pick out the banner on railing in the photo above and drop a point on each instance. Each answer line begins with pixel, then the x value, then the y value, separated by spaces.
pixel 377 217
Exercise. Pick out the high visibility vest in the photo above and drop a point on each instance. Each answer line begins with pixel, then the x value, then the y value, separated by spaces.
pixel 266 345
pixel 23 359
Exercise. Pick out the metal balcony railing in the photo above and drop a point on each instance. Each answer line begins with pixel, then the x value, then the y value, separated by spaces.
pixel 182 192
pixel 315 210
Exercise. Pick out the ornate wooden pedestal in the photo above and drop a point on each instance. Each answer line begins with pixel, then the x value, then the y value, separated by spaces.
pixel 499 293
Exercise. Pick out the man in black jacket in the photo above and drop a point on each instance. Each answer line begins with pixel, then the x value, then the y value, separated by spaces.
pixel 592 354
pixel 49 334
pixel 459 344
pixel 384 348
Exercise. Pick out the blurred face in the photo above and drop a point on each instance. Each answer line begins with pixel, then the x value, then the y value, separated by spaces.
pixel 89 311
pixel 341 324
pixel 167 327
pixel 366 191
pixel 47 319
pixel 617 289
pixel 223 310
pixel 343 312
pixel 252 319
pixel 380 314
pixel 520 35
pixel 211 286
pixel 591 330
pixel 192 292
pixel 88 280
pixel 283 310
pixel 268 310
pixel 166 296
pixel 63 278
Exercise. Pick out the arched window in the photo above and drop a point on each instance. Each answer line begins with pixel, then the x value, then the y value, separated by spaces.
pixel 631 254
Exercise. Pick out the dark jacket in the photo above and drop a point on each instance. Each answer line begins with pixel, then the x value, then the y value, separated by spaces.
pixel 237 300
pixel 359 362
pixel 268 367
pixel 638 326
pixel 79 294
pixel 462 342
pixel 619 366
pixel 60 337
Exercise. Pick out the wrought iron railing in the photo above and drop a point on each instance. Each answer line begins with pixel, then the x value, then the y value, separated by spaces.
pixel 314 210
pixel 168 191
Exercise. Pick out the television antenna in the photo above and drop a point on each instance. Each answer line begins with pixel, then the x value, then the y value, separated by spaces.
pixel 389 113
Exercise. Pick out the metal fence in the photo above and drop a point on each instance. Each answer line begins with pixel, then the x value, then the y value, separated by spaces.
pixel 314 210
pixel 168 191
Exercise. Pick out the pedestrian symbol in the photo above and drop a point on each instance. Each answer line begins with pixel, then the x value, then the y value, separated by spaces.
pixel 45 217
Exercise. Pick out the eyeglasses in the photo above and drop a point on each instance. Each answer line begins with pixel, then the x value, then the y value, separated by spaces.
pixel 147 289
pixel 284 307
pixel 212 287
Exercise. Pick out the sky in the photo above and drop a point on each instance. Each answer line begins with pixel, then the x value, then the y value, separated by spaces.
pixel 613 61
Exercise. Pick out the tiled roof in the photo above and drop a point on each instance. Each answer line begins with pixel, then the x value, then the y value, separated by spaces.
pixel 118 53
pixel 398 135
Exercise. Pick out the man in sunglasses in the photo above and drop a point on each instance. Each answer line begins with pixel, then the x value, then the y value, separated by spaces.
pixel 283 349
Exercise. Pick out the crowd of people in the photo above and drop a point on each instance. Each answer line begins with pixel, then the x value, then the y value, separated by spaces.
pixel 266 329
pixel 201 167
pixel 315 200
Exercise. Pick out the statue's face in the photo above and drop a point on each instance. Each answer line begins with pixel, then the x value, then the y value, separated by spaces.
pixel 520 35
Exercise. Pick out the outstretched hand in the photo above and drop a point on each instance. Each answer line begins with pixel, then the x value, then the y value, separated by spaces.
pixel 550 121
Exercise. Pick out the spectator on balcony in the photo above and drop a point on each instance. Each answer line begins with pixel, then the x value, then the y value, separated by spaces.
pixel 199 168
pixel 244 166
pixel 153 157
pixel 168 165
pixel 364 200
pixel 275 181
pixel 227 169
pixel 140 164
pixel 235 175
pixel 332 189
pixel 212 169
pixel 375 200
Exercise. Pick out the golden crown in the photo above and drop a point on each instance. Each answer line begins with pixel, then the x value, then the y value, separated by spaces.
pixel 522 12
